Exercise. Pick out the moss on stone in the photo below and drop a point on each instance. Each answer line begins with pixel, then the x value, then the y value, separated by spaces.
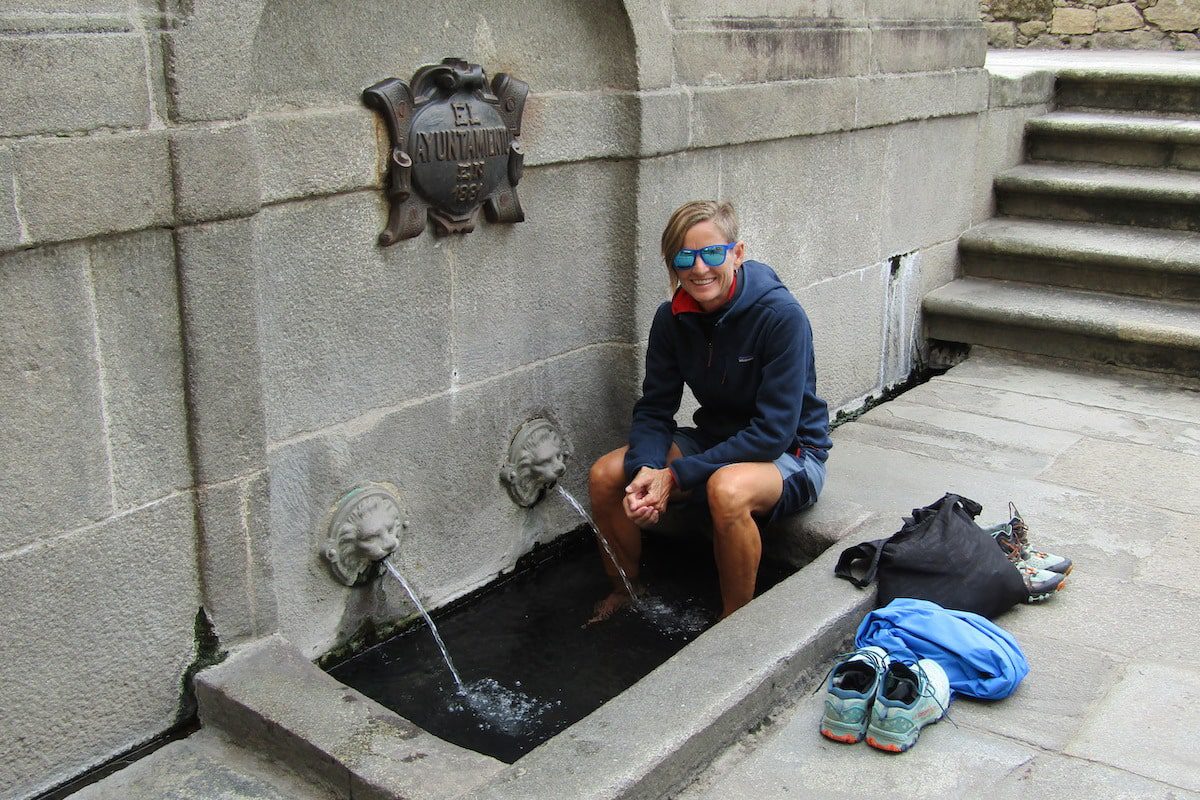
pixel 208 653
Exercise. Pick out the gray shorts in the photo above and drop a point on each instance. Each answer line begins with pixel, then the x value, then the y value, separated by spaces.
pixel 803 475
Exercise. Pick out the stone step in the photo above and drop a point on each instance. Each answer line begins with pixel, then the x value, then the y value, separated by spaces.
pixel 1115 138
pixel 1158 335
pixel 1153 198
pixel 269 699
pixel 204 765
pixel 1160 90
pixel 1147 262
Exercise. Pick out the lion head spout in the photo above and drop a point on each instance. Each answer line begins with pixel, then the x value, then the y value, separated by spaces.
pixel 365 529
pixel 537 458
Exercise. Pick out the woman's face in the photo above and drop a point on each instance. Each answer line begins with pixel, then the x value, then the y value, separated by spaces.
pixel 709 286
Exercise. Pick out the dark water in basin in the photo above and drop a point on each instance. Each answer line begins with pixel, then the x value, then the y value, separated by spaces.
pixel 522 650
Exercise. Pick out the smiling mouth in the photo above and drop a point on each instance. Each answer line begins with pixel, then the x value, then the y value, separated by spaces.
pixel 703 281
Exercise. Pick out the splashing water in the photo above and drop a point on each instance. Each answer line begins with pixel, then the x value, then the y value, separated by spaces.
pixel 674 618
pixel 395 573
pixel 508 710
pixel 603 542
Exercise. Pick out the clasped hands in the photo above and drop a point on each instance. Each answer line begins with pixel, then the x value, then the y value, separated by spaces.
pixel 647 494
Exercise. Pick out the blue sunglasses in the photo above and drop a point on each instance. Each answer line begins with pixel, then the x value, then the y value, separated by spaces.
pixel 713 255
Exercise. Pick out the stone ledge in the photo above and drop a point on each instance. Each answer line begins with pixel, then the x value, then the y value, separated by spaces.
pixel 1125 247
pixel 1019 87
pixel 270 699
pixel 1068 323
pixel 1123 183
pixel 1098 125
pixel 216 173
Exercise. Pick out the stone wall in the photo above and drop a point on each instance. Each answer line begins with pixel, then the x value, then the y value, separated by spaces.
pixel 1100 24
pixel 204 347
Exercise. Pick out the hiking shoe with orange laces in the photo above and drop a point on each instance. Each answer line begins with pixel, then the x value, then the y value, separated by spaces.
pixel 1013 539
pixel 1040 583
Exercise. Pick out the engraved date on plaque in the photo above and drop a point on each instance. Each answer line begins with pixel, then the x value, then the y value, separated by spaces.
pixel 455 147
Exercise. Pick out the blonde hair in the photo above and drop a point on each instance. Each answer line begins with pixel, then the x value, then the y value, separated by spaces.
pixel 719 212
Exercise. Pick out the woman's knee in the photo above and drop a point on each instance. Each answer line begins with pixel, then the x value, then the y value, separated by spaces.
pixel 728 494
pixel 608 473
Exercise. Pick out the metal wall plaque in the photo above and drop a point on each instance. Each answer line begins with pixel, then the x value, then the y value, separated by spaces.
pixel 456 145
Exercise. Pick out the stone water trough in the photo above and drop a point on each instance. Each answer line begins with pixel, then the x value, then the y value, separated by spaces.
pixel 272 700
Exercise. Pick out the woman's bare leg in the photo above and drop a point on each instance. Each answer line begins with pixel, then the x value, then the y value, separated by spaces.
pixel 735 493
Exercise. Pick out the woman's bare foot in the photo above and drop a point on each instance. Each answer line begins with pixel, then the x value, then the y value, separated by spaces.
pixel 611 604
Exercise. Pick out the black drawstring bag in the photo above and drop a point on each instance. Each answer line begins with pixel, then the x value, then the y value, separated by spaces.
pixel 939 555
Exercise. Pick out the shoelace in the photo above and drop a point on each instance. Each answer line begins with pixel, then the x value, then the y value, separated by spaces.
pixel 1008 543
pixel 1017 524
pixel 927 689
pixel 1020 534
pixel 868 656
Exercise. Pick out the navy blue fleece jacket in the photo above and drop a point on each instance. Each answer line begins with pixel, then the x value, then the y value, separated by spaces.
pixel 749 364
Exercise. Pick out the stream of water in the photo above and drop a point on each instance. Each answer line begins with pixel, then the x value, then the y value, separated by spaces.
pixel 508 710
pixel 670 618
pixel 603 542
pixel 395 573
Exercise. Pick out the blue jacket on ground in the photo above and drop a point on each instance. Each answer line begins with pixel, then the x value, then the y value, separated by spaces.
pixel 980 658
pixel 749 364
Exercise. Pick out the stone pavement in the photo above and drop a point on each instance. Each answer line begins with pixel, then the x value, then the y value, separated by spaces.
pixel 1105 466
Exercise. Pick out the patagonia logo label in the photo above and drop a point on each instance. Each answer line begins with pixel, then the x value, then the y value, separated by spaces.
pixel 745 359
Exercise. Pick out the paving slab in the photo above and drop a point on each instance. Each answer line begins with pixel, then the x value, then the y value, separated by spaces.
pixel 1051 775
pixel 977 440
pixel 1124 618
pixel 1121 469
pixel 1139 394
pixel 1051 705
pixel 1057 416
pixel 203 767
pixel 791 759
pixel 1145 726
pixel 1174 563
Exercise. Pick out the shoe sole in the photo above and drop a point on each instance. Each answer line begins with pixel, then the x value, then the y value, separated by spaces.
pixel 843 738
pixel 842 732
pixel 889 747
pixel 1043 596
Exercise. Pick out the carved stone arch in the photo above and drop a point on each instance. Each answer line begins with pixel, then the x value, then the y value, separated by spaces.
pixel 209 58
pixel 651 30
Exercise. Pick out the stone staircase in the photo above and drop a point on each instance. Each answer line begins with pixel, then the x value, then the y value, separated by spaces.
pixel 1095 253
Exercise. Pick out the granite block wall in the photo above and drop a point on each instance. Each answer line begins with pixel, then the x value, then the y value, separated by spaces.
pixel 1099 24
